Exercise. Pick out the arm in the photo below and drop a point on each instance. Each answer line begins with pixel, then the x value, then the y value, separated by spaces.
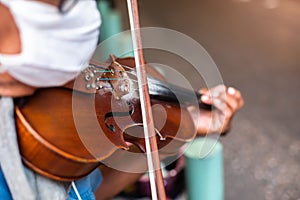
pixel 11 87
pixel 10 44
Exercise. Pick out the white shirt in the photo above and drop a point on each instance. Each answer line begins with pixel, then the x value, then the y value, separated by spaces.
pixel 55 47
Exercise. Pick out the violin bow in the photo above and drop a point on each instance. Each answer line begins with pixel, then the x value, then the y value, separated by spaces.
pixel 153 161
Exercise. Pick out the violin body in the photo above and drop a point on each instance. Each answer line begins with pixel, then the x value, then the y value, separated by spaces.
pixel 64 133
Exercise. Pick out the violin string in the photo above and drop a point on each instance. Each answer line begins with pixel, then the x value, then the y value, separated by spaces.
pixel 105 70
pixel 113 79
pixel 127 67
pixel 131 70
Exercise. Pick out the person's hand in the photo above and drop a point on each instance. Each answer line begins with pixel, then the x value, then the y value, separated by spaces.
pixel 225 103
pixel 13 88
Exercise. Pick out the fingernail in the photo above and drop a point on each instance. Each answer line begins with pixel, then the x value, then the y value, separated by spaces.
pixel 231 91
pixel 204 98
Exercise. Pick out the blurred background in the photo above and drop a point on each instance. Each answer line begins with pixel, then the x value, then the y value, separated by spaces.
pixel 256 46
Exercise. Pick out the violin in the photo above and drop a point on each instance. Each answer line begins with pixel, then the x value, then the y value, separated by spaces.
pixel 60 137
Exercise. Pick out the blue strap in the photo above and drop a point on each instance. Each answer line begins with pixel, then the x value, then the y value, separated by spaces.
pixel 87 186
pixel 4 190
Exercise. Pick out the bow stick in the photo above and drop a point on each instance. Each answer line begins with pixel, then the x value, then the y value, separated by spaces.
pixel 153 161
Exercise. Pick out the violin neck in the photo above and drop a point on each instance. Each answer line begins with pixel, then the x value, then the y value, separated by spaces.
pixel 168 92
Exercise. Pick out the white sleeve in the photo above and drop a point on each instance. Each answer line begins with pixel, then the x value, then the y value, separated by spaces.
pixel 40 77
pixel 55 47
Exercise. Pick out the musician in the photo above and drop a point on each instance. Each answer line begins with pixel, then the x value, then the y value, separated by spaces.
pixel 46 43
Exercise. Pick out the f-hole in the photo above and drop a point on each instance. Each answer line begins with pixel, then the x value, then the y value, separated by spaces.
pixel 111 127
